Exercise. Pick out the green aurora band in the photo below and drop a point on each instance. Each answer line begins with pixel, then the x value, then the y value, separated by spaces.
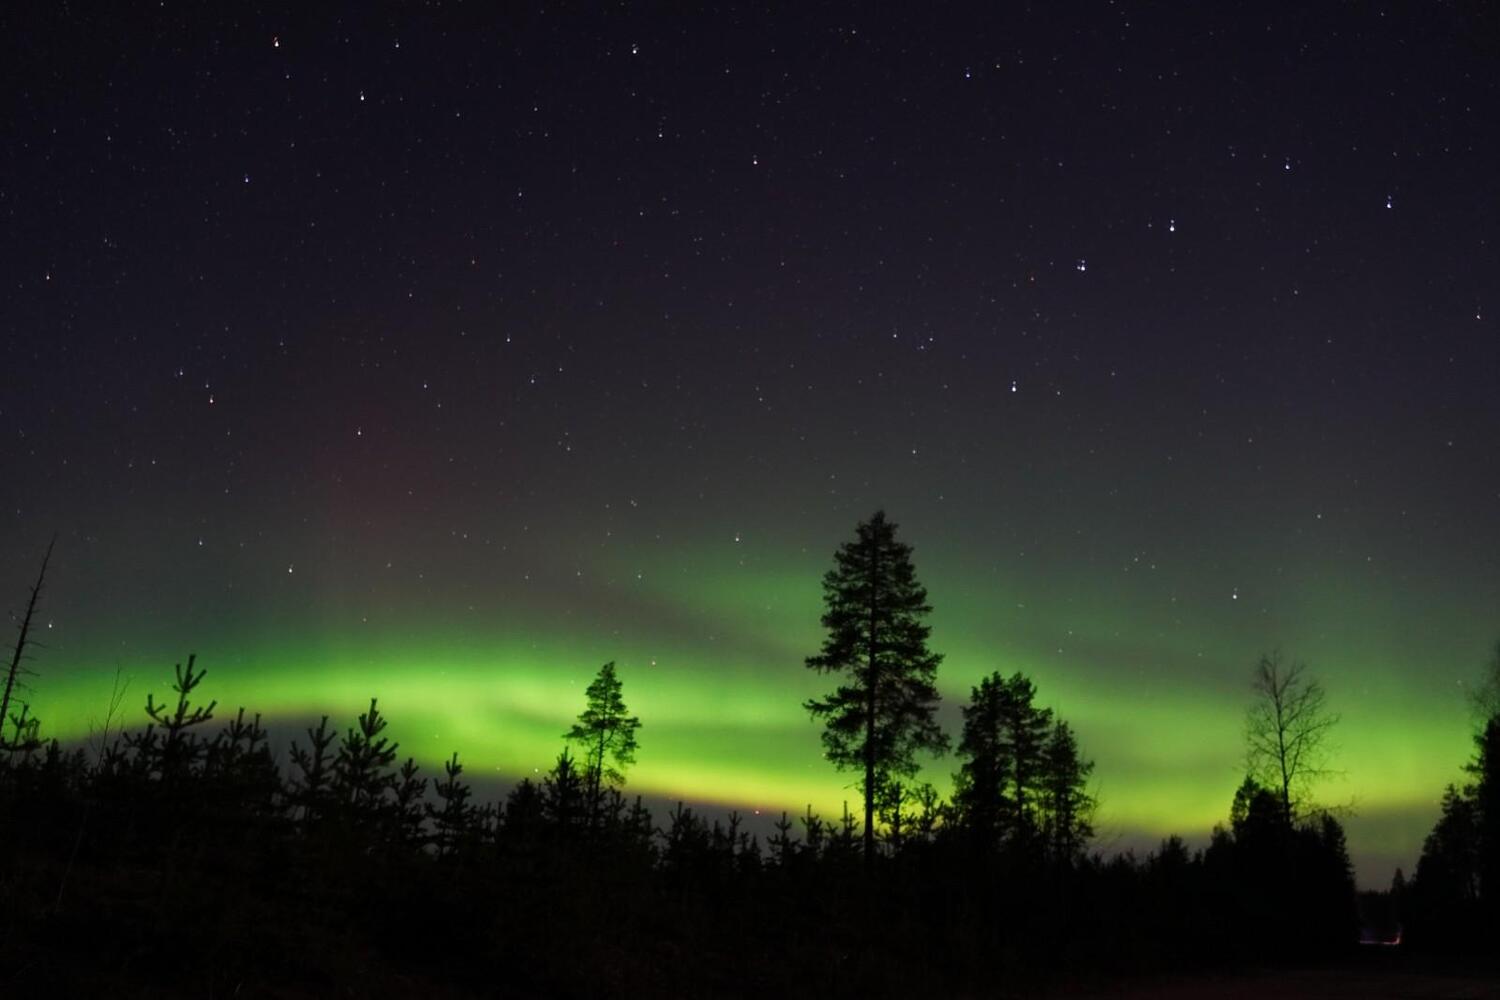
pixel 710 648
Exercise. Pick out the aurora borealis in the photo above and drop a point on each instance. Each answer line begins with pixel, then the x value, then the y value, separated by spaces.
pixel 444 357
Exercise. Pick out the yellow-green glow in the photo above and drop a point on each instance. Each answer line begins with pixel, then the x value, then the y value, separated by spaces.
pixel 711 659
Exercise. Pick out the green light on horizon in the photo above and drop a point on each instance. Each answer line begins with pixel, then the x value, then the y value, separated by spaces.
pixel 713 665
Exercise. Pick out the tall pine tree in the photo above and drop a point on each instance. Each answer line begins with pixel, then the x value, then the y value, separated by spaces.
pixel 883 713
pixel 1067 806
pixel 1000 785
pixel 606 735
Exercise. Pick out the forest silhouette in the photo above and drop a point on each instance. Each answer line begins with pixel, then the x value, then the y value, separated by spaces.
pixel 177 854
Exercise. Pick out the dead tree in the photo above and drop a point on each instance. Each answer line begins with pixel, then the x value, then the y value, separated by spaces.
pixel 16 670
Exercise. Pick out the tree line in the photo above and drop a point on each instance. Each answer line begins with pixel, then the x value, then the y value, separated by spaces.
pixel 170 856
pixel 1453 902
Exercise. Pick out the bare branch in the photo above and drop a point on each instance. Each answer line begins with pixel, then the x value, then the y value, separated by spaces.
pixel 1286 731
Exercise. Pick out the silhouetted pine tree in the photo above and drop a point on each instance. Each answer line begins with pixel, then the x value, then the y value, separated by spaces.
pixel 1295 879
pixel 241 779
pixel 408 809
pixel 524 816
pixel 454 819
pixel 609 813
pixel 814 834
pixel 361 769
pixel 1027 726
pixel 311 788
pixel 892 810
pixel 686 847
pixel 885 712
pixel 1325 887
pixel 179 748
pixel 981 788
pixel 564 796
pixel 842 844
pixel 25 736
pixel 998 786
pixel 1065 804
pixel 606 734
pixel 640 829
pixel 1454 898
pixel 237 743
pixel 931 810
pixel 748 858
pixel 1444 893
pixel 783 846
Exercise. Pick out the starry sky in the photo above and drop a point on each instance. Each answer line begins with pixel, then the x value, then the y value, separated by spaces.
pixel 444 352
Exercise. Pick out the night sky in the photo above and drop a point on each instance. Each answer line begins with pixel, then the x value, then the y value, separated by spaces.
pixel 444 354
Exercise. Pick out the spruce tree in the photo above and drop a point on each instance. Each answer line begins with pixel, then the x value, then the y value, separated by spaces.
pixel 563 795
pixel 241 772
pixel 310 787
pixel 362 768
pixel 783 847
pixel 408 808
pixel 179 749
pixel 884 712
pixel 455 819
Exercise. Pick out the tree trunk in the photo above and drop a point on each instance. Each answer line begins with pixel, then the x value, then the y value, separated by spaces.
pixel 596 781
pixel 1281 755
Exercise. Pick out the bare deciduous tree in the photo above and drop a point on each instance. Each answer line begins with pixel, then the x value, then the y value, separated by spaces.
pixel 1286 731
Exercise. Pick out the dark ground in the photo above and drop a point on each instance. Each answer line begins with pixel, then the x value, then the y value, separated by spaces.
pixel 1371 975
